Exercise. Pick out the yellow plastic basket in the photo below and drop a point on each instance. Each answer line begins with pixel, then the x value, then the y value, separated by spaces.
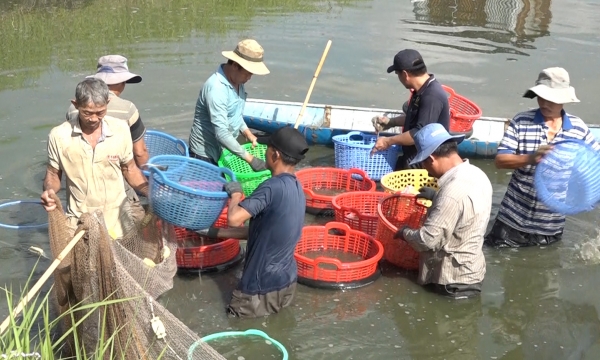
pixel 399 180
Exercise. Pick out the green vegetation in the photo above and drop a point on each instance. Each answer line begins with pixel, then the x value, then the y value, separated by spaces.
pixel 70 34
pixel 36 333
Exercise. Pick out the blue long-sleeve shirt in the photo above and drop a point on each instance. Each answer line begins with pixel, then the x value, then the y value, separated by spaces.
pixel 218 118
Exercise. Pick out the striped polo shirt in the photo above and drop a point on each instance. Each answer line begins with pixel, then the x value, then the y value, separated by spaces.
pixel 520 208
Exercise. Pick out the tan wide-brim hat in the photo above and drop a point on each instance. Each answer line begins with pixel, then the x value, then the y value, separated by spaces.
pixel 249 54
pixel 553 85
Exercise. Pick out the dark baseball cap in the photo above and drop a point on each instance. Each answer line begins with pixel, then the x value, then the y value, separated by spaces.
pixel 287 140
pixel 407 59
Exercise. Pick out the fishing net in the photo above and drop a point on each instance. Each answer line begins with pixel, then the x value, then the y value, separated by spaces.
pixel 138 267
pixel 567 180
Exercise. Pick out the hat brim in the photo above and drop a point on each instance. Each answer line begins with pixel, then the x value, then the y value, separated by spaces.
pixel 117 78
pixel 557 96
pixel 391 69
pixel 426 152
pixel 256 68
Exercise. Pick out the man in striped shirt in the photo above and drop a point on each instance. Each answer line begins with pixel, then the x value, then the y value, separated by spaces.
pixel 522 219
pixel 450 242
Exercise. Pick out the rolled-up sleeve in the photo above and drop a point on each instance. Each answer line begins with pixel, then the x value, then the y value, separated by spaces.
pixel 53 152
pixel 217 106
pixel 438 228
pixel 510 140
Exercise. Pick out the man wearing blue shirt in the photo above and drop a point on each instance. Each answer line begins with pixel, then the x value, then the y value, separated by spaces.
pixel 276 213
pixel 218 117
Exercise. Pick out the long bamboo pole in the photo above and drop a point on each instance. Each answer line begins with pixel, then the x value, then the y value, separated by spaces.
pixel 41 281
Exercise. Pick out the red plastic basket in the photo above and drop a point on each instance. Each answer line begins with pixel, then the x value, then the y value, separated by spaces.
pixel 358 209
pixel 322 238
pixel 222 219
pixel 463 112
pixel 395 211
pixel 331 179
pixel 191 254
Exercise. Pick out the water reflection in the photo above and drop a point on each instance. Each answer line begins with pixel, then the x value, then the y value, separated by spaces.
pixel 514 22
pixel 526 323
pixel 37 35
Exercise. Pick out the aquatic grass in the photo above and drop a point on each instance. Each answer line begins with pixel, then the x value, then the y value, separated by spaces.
pixel 64 34
pixel 37 335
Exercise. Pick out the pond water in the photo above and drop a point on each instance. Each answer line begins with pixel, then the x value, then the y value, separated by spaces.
pixel 536 303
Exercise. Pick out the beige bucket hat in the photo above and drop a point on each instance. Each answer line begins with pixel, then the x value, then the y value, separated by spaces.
pixel 113 70
pixel 553 85
pixel 249 54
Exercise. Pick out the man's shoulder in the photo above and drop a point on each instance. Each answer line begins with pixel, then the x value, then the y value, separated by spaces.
pixel 116 125
pixel 435 91
pixel 525 117
pixel 577 122
pixel 64 129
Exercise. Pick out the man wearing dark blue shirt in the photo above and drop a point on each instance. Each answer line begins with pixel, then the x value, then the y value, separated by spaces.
pixel 428 104
pixel 276 212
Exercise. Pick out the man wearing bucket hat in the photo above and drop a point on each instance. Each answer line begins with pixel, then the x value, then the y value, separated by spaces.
pixel 276 213
pixel 450 241
pixel 522 219
pixel 113 70
pixel 428 104
pixel 218 117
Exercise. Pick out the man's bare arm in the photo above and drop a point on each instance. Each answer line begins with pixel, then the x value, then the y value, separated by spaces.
pixel 134 177
pixel 52 179
pixel 140 152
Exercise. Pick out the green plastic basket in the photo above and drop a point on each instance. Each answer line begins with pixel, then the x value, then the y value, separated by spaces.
pixel 242 170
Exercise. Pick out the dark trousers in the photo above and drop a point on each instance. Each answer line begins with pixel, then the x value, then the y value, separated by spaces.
pixel 456 291
pixel 503 236
pixel 203 158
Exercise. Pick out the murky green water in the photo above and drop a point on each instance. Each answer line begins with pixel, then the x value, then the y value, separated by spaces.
pixel 536 303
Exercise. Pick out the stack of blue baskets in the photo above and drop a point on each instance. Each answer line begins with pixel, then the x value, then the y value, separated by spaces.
pixel 353 150
pixel 160 143
pixel 187 192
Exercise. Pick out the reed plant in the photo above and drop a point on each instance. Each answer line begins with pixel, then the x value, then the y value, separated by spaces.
pixel 37 334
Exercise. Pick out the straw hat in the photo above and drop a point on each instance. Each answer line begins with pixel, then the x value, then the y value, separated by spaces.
pixel 249 54
pixel 553 85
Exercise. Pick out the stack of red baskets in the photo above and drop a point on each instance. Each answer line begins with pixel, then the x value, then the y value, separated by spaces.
pixel 327 272
pixel 396 211
pixel 358 209
pixel 331 179
pixel 193 256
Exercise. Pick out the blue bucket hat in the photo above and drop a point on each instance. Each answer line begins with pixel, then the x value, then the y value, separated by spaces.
pixel 429 138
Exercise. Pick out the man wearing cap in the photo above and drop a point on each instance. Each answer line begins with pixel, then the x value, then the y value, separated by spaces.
pixel 113 70
pixel 450 241
pixel 218 117
pixel 428 104
pixel 276 213
pixel 94 151
pixel 522 219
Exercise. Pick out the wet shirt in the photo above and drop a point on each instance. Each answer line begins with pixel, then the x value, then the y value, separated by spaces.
pixel 451 239
pixel 121 109
pixel 218 118
pixel 277 207
pixel 520 208
pixel 426 106
pixel 94 180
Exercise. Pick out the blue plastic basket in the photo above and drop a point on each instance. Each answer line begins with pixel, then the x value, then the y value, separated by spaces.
pixel 160 143
pixel 353 150
pixel 189 193
pixel 567 180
